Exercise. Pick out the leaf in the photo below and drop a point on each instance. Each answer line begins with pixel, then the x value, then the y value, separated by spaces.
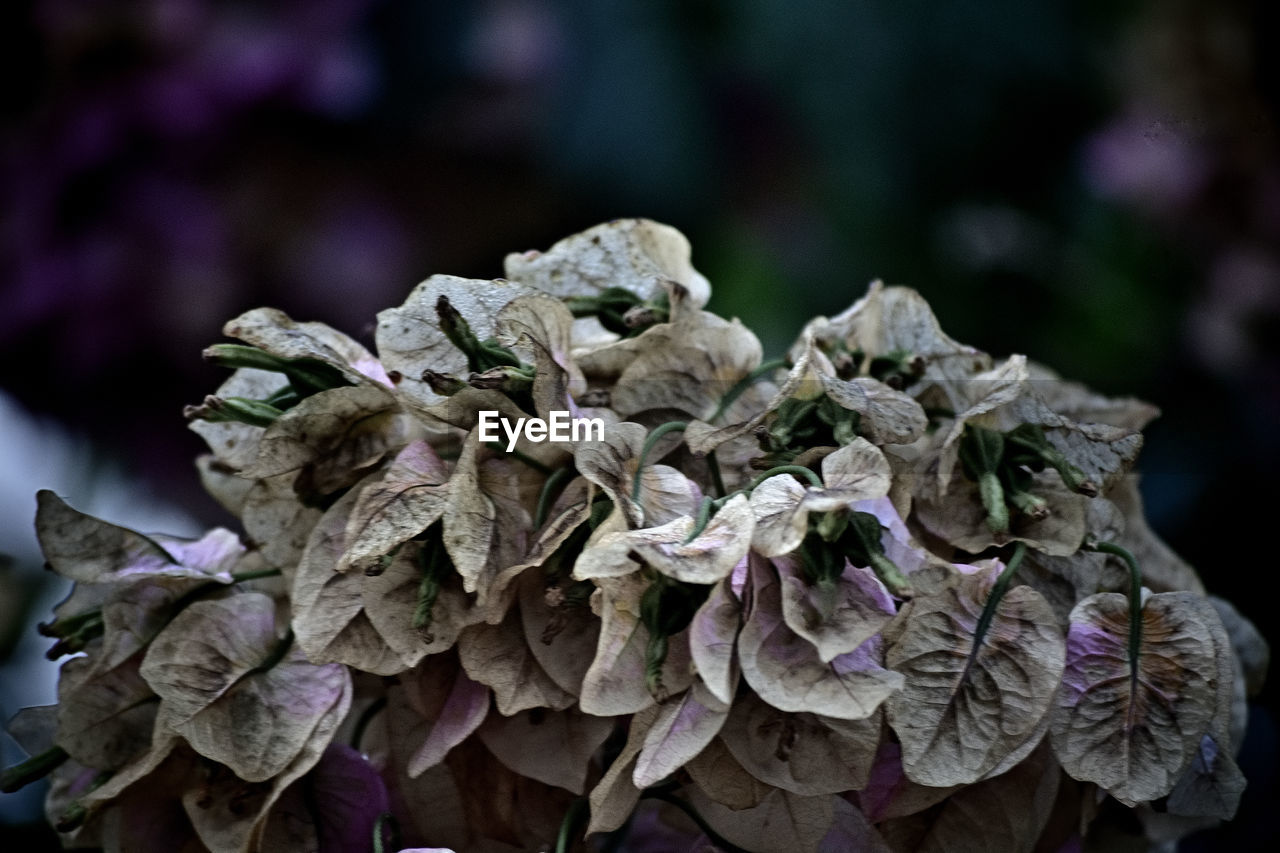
pixel 469 516
pixel 964 708
pixel 683 729
pixel 615 682
pixel 355 425
pixel 86 549
pixel 333 808
pixel 408 499
pixel 1132 732
pixel 801 753
pixel 712 636
pixel 1008 812
pixel 786 671
pixel 272 330
pixel 639 255
pixel 563 638
pixel 850 830
pixel 781 821
pixel 688 366
pixel 205 666
pixel 836 617
pixel 960 519
pixel 611 465
pixel 497 655
pixel 227 812
pixel 889 793
pixel 555 747
pixel 705 559
pixel 410 341
pixel 442 706
pixel 615 796
pixel 390 602
pixel 105 718
pixel 724 780
pixel 329 622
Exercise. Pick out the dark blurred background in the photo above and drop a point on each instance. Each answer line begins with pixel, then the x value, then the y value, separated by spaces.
pixel 1096 184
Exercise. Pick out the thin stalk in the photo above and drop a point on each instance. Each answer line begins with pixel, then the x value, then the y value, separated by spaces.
pixel 36 767
pixel 716 838
pixel 572 819
pixel 1135 600
pixel 704 516
pixel 547 495
pixel 743 384
pixel 658 432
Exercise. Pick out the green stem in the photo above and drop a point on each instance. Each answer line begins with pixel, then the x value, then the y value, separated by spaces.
pixel 798 470
pixel 743 384
pixel 658 432
pixel 704 516
pixel 547 494
pixel 1135 600
pixel 572 819
pixel 385 825
pixel 253 576
pixel 34 768
pixel 717 479
pixel 716 838
pixel 997 592
pixel 993 501
pixel 277 654
pixel 366 717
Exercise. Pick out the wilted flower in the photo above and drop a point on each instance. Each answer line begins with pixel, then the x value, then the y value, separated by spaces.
pixel 848 599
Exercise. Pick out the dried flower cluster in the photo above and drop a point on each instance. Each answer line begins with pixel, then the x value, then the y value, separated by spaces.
pixel 887 593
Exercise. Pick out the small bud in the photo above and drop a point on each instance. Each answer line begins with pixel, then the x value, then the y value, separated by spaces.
pixel 442 384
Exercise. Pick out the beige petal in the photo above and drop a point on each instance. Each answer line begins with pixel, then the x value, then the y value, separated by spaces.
pixel 684 727
pixel 712 637
pixel 615 796
pixel 329 622
pixel 615 683
pixel 787 672
pixel 836 617
pixel 801 753
pixel 104 719
pixel 964 707
pixel 781 821
pixel 1134 733
pixel 724 780
pixel 639 255
pixel 498 656
pixel 409 498
pixel 272 330
pixel 555 747
pixel 1008 812
pixel 87 549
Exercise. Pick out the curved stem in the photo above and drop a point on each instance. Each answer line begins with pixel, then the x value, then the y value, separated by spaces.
pixel 716 838
pixel 1135 599
pixel 743 384
pixel 253 576
pixel 366 717
pixel 36 767
pixel 572 818
pixel 704 516
pixel 548 490
pixel 717 479
pixel 798 470
pixel 997 592
pixel 658 432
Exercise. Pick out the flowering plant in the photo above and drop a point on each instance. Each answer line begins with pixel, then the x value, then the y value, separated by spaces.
pixel 885 593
